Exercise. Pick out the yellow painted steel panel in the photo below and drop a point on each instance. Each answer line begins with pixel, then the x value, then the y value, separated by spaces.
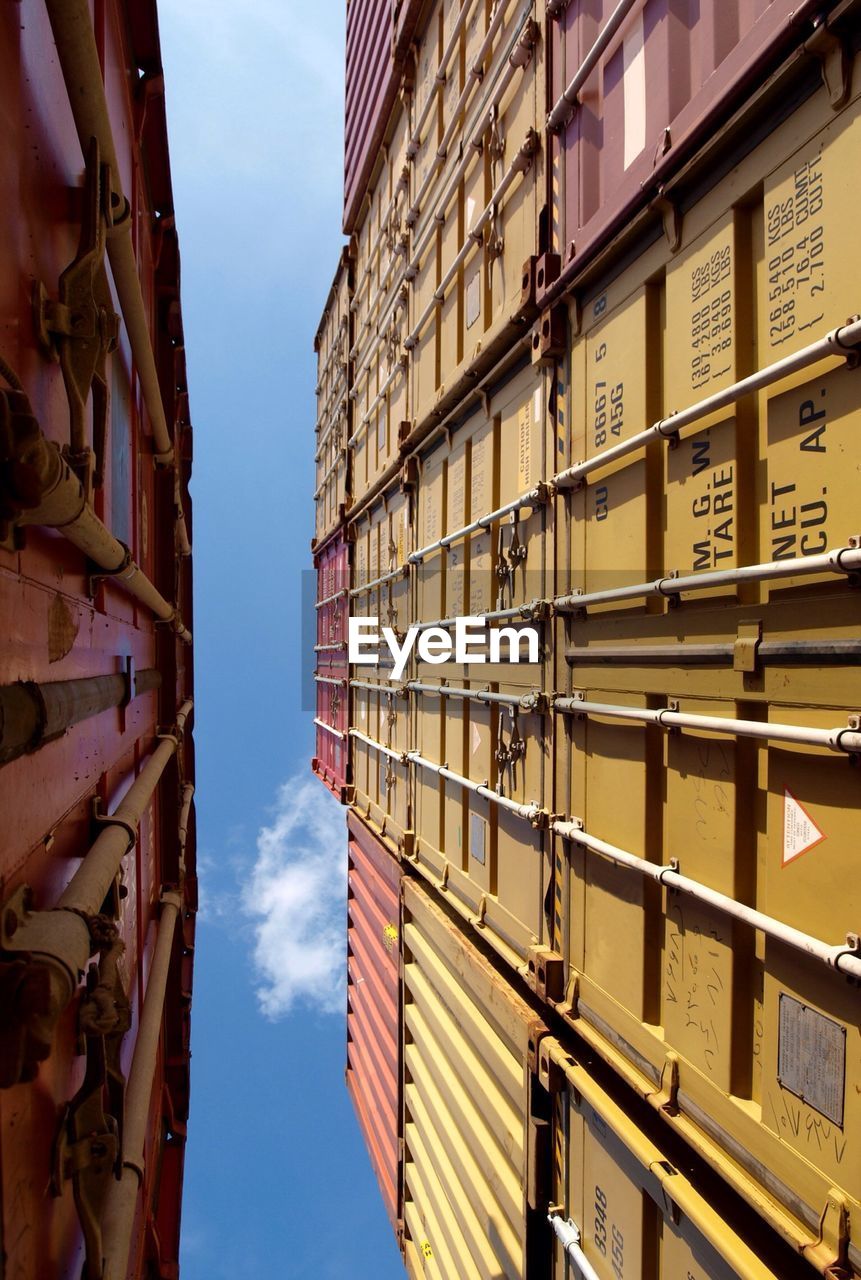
pixel 639 1217
pixel 747 1048
pixel 465 1102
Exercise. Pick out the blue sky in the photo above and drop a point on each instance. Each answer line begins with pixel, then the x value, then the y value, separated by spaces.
pixel 277 1183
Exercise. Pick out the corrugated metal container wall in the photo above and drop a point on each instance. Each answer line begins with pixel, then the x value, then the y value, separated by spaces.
pixel 373 1005
pixel 378 41
pixel 97 847
pixel 332 430
pixel 479 1123
pixel 474 215
pixel 652 824
pixel 331 677
pixel 467 1140
pixel 635 86
pixel 636 1208
pixel 440 252
pixel 381 736
pixel 726 719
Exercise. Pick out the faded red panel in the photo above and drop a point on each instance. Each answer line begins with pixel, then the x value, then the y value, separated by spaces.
pixel 60 625
pixel 332 701
pixel 373 1004
pixel 379 33
pixel 672 71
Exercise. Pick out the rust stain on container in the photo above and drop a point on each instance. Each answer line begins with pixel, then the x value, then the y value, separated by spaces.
pixel 63 629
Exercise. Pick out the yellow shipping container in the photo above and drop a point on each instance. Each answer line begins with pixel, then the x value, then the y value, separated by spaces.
pixel 332 431
pixel 449 220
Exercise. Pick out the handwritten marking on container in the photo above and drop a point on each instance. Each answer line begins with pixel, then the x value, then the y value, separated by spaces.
pixel 692 980
pixel 800 832
pixel 811 1058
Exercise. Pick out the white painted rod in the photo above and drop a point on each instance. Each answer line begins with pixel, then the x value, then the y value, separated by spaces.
pixel 400 572
pixel 378 746
pixel 840 560
pixel 336 733
pixel 337 595
pixel 842 341
pixel 529 499
pixel 568 101
pixel 843 958
pixel 569 1237
pixel 839 739
pixel 524 701
pixel 529 812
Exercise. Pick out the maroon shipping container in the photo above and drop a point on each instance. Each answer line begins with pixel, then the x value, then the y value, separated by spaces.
pixel 97 863
pixel 379 33
pixel 646 82
pixel 373 1003
pixel 331 760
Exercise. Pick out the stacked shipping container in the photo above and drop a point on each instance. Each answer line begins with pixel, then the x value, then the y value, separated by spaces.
pixel 602 378
pixel 97 846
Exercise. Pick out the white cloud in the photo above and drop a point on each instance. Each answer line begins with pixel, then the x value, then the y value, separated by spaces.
pixel 296 897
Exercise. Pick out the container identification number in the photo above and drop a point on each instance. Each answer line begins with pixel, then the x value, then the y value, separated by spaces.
pixel 610 1245
pixel 609 404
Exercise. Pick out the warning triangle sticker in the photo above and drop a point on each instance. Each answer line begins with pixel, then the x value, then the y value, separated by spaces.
pixel 800 832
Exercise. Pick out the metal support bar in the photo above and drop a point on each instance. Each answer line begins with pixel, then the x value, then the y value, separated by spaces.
pixel 529 499
pixel 76 48
pixel 569 1237
pixel 520 164
pixel 53 946
pixel 328 728
pixel 844 958
pixel 532 813
pixel 184 815
pixel 531 612
pixel 41 487
pixel 398 367
pixel 524 702
pixel 400 572
pixel 441 75
pixel 399 756
pixel 122 1198
pixel 340 457
pixel 841 560
pixel 33 714
pixel 846 739
pixel 569 101
pixel 337 595
pixel 842 341
pixel 88 887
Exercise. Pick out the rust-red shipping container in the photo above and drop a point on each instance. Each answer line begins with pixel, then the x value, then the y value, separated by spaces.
pixel 373 1004
pixel 636 86
pixel 378 41
pixel 97 864
pixel 331 677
